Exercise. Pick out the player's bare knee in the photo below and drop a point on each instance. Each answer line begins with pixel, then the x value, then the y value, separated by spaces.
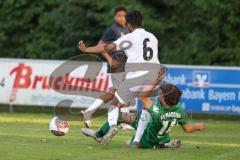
pixel 108 96
pixel 116 103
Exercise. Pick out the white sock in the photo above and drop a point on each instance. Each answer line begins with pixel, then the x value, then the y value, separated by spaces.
pixel 95 105
pixel 124 109
pixel 142 124
pixel 113 113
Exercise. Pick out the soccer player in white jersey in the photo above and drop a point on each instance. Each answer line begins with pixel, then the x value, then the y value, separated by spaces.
pixel 142 66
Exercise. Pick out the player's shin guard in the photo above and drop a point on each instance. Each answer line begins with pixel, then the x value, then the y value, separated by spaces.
pixel 142 124
pixel 113 113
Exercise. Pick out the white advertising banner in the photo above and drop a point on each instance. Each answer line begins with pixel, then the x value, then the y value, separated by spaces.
pixel 26 82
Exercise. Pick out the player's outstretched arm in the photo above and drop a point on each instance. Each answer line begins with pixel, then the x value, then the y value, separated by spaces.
pixel 96 49
pixel 111 61
pixel 189 128
pixel 105 54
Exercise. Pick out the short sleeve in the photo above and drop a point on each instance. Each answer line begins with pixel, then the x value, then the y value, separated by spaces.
pixel 184 120
pixel 122 42
pixel 108 36
pixel 154 111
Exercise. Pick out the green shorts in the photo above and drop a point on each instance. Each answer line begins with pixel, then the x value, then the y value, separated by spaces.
pixel 147 143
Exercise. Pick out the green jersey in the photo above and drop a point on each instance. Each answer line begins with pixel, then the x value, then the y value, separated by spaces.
pixel 162 119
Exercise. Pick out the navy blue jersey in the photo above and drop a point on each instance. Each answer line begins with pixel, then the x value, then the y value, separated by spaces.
pixel 111 34
pixel 114 32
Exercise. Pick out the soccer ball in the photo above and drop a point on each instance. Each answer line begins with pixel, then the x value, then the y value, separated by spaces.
pixel 59 126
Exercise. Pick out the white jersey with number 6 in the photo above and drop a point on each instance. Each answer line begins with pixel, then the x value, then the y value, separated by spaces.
pixel 140 46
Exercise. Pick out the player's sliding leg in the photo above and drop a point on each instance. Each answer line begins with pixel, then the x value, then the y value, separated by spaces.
pixel 113 115
pixel 142 124
pixel 87 114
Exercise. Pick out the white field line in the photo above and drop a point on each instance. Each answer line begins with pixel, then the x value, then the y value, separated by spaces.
pixel 212 144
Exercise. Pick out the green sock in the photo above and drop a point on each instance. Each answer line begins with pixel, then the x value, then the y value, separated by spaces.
pixel 103 130
pixel 105 127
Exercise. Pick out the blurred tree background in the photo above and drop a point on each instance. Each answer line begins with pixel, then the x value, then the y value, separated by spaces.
pixel 189 31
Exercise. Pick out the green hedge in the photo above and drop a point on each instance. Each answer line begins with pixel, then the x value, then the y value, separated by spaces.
pixel 189 31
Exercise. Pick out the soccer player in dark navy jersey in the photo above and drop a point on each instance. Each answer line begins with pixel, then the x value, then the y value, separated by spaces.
pixel 116 61
pixel 118 58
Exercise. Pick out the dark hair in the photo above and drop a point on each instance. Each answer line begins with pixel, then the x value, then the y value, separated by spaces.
pixel 171 94
pixel 119 8
pixel 134 18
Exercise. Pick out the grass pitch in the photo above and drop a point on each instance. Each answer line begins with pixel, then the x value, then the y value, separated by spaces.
pixel 26 137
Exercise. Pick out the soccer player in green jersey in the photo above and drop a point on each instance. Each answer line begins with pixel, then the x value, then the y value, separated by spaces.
pixel 164 114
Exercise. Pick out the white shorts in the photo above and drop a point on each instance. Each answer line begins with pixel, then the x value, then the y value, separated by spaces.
pixel 116 79
pixel 135 83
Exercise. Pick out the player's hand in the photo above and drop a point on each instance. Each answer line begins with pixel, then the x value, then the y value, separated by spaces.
pixel 82 46
pixel 200 126
pixel 114 64
pixel 135 145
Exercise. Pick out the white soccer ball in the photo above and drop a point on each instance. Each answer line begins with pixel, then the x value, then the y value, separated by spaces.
pixel 59 126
